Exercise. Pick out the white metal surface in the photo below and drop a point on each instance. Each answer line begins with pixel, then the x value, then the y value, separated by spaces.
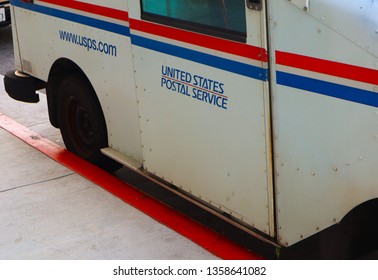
pixel 357 21
pixel 325 147
pixel 218 155
pixel 302 4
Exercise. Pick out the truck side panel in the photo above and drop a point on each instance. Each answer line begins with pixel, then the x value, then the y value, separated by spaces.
pixel 202 102
pixel 324 86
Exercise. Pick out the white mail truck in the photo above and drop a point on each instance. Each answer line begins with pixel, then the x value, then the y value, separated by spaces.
pixel 262 111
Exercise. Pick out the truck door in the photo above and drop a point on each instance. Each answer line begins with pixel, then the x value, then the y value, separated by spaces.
pixel 202 90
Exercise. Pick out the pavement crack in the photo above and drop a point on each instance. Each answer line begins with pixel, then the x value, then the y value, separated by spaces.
pixel 38 182
pixel 36 124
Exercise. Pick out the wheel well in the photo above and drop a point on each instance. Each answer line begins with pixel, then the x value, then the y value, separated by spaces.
pixel 356 235
pixel 59 70
pixel 366 209
pixel 64 72
pixel 361 223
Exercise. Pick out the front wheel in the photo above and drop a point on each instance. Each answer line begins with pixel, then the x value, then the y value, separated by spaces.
pixel 82 122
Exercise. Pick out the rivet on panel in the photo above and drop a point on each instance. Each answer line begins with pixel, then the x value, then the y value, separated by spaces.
pixel 313 173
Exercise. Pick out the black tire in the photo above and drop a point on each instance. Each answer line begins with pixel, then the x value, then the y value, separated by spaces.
pixel 22 87
pixel 82 122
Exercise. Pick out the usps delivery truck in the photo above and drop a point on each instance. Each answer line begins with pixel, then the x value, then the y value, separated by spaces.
pixel 263 111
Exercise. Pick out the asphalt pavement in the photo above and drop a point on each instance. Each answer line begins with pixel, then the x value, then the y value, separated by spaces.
pixel 6 50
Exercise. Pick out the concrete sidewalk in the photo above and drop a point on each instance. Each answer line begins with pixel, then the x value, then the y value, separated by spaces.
pixel 49 212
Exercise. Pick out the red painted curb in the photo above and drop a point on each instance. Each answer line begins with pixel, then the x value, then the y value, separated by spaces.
pixel 204 237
